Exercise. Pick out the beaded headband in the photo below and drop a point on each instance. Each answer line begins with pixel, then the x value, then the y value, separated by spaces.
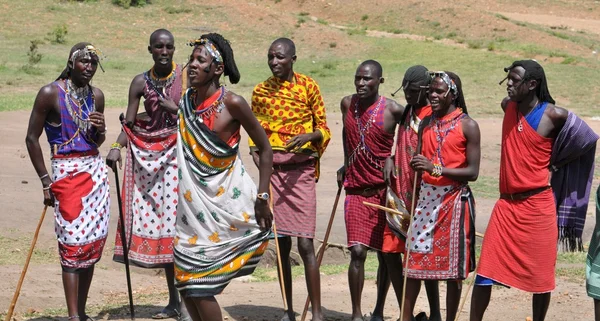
pixel 210 47
pixel 446 79
pixel 88 51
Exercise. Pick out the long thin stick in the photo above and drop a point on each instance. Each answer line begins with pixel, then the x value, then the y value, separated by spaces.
pixel 408 239
pixel 278 252
pixel 13 303
pixel 124 242
pixel 396 212
pixel 464 299
pixel 324 246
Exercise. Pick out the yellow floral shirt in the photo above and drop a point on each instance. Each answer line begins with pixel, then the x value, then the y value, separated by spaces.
pixel 287 109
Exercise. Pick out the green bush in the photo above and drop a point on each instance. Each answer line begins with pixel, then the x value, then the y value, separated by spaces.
pixel 130 3
pixel 58 34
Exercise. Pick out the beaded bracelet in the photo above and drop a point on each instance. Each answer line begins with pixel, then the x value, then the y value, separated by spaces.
pixel 44 176
pixel 116 145
pixel 437 170
pixel 47 188
pixel 104 131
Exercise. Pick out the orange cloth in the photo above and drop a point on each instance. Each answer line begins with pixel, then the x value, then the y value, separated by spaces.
pixel 287 109
pixel 519 248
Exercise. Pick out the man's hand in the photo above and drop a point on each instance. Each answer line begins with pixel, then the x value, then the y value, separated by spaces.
pixel 389 171
pixel 97 120
pixel 114 157
pixel 48 195
pixel 341 173
pixel 168 104
pixel 420 163
pixel 263 214
pixel 300 140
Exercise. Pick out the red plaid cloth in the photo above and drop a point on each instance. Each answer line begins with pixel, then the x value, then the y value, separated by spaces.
pixel 364 224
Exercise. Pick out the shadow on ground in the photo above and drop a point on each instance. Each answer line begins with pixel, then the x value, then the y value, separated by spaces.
pixel 267 313
pixel 114 313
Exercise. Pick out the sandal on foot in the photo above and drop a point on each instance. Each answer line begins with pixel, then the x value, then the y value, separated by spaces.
pixel 166 314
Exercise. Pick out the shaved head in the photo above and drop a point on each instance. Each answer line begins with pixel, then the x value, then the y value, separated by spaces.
pixel 159 32
pixel 375 65
pixel 289 45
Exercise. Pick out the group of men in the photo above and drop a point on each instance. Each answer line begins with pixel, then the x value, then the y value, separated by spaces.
pixel 191 208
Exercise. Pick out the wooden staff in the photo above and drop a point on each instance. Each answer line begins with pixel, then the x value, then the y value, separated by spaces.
pixel 464 299
pixel 408 239
pixel 124 242
pixel 278 252
pixel 324 246
pixel 396 212
pixel 13 303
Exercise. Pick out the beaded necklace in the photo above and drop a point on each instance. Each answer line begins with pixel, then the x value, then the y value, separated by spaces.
pixel 363 130
pixel 441 128
pixel 159 84
pixel 78 113
pixel 208 111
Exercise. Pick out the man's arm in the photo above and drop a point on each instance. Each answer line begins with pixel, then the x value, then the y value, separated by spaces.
pixel 240 111
pixel 344 105
pixel 136 90
pixel 321 133
pixel 504 103
pixel 392 115
pixel 97 117
pixel 45 102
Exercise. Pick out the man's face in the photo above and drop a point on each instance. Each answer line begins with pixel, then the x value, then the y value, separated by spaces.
pixel 84 68
pixel 366 81
pixel 414 94
pixel 162 49
pixel 280 60
pixel 201 68
pixel 516 87
pixel 439 95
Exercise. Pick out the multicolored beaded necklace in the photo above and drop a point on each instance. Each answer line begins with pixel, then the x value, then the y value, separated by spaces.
pixel 441 128
pixel 363 130
pixel 208 111
pixel 79 108
pixel 159 84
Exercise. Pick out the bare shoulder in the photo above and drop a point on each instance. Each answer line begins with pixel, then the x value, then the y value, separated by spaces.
pixel 48 91
pixel 504 103
pixel 235 102
pixel 470 126
pixel 345 103
pixel 394 107
pixel 556 113
pixel 138 82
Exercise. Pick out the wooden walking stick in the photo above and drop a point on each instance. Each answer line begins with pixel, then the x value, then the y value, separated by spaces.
pixel 124 242
pixel 408 240
pixel 13 303
pixel 278 252
pixel 324 246
pixel 464 299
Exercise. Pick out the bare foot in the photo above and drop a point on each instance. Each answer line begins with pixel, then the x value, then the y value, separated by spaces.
pixel 288 316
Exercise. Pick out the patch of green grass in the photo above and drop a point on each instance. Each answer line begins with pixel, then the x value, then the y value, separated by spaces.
pixel 329 66
pixel 322 21
pixel 491 46
pixel 570 60
pixel 303 14
pixel 571 274
pixel 177 10
pixel 356 31
pixel 451 35
pixel 499 16
pixel 571 257
pixel 434 24
pixel 332 44
pixel 485 187
pixel 301 20
pixel 475 44
pixel 13 251
pixel 364 17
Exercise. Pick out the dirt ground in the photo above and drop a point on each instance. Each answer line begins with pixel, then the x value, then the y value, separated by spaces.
pixel 20 196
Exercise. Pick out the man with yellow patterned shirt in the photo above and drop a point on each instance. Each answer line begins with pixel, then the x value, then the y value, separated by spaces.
pixel 290 108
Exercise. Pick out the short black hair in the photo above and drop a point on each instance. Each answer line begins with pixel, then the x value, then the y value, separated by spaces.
pixel 375 64
pixel 158 32
pixel 287 42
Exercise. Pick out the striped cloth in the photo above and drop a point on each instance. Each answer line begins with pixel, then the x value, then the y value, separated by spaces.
pixel 572 161
pixel 592 270
pixel 217 236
